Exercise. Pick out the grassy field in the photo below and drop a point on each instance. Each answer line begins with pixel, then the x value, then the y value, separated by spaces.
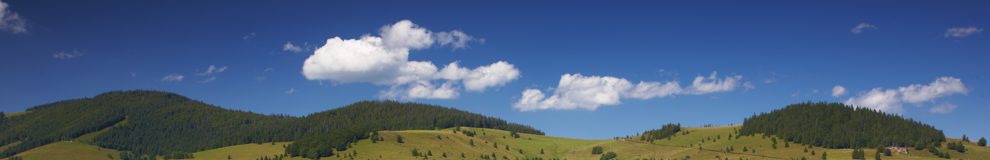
pixel 244 151
pixel 68 150
pixel 698 143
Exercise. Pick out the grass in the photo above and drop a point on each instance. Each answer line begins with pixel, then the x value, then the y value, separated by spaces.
pixel 713 142
pixel 244 151
pixel 68 150
pixel 11 114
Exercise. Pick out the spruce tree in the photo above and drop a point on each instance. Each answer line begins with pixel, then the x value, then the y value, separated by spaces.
pixel 982 142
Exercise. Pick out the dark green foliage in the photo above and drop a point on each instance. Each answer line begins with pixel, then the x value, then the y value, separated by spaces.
pixel 399 139
pixel 957 146
pixel 858 154
pixel 415 152
pixel 876 156
pixel 774 142
pixel 468 133
pixel 982 142
pixel 834 125
pixel 597 150
pixel 16 158
pixel 824 155
pixel 514 134
pixel 609 156
pixel 664 132
pixel 965 138
pixel 172 126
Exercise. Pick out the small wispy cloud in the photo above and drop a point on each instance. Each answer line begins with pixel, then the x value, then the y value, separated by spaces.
pixel 208 80
pixel 249 36
pixel 288 46
pixel 66 55
pixel 212 69
pixel 944 108
pixel 859 28
pixel 10 21
pixel 961 32
pixel 174 77
pixel 290 91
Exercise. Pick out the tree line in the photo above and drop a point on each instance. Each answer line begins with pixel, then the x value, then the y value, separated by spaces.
pixel 835 125
pixel 155 123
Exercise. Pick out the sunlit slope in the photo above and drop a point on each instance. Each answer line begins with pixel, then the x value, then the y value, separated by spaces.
pixel 69 150
pixel 697 143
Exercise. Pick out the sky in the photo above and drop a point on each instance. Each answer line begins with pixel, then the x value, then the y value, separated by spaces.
pixel 570 68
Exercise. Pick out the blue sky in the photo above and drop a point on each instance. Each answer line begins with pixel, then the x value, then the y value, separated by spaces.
pixel 924 60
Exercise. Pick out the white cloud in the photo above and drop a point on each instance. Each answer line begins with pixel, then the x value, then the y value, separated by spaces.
pixel 943 86
pixel 173 78
pixel 859 28
pixel 10 21
pixel 960 32
pixel 455 39
pixel 66 55
pixel 944 108
pixel 291 91
pixel 212 69
pixel 879 99
pixel 576 91
pixel 838 91
pixel 406 35
pixel 385 61
pixel 288 46
pixel 891 100
pixel 702 85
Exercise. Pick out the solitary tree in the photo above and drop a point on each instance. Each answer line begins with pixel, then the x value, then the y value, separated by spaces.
pixel 877 155
pixel 824 155
pixel 398 138
pixel 982 142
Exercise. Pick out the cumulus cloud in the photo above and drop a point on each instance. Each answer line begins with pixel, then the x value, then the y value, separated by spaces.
pixel 288 46
pixel 173 78
pixel 576 91
pixel 944 108
pixel 960 32
pixel 384 60
pixel 10 21
pixel 859 28
pixel 892 100
pixel 66 55
pixel 838 91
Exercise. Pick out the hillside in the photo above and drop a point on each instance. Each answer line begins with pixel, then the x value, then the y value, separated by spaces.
pixel 835 125
pixel 134 124
pixel 714 143
pixel 173 126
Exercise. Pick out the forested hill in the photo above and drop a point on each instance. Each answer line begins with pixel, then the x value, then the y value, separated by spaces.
pixel 835 125
pixel 171 125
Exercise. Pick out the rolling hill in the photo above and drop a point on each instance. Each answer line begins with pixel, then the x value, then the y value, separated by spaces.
pixel 114 125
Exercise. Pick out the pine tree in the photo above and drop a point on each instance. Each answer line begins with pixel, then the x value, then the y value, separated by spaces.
pixel 824 155
pixel 877 155
pixel 982 142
